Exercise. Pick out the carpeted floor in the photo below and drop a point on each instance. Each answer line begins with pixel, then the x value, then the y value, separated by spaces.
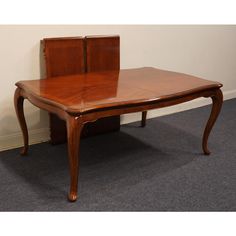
pixel 157 168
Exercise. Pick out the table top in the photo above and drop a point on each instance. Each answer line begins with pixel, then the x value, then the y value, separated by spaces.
pixel 93 91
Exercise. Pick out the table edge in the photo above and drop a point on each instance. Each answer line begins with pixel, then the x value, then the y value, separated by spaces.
pixel 118 105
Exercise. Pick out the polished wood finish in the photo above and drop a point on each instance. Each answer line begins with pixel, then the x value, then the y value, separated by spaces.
pixel 74 129
pixel 63 56
pixel 77 55
pixel 88 97
pixel 217 100
pixel 18 102
pixel 102 54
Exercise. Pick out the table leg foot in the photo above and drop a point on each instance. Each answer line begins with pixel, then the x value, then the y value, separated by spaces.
pixel 144 116
pixel 74 128
pixel 72 197
pixel 18 102
pixel 217 100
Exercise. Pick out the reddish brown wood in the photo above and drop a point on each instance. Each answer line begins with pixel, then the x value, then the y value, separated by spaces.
pixel 217 100
pixel 18 102
pixel 74 128
pixel 88 97
pixel 103 54
pixel 80 94
pixel 58 132
pixel 69 56
pixel 63 56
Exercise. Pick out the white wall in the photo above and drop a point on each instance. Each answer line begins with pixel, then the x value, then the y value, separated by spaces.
pixel 204 51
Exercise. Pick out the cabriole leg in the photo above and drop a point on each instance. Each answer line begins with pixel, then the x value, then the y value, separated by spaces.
pixel 18 102
pixel 217 100
pixel 74 128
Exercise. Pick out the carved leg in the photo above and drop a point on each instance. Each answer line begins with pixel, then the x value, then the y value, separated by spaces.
pixel 217 100
pixel 18 101
pixel 144 115
pixel 74 128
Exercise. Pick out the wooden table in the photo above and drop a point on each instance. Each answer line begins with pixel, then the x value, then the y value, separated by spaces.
pixel 79 99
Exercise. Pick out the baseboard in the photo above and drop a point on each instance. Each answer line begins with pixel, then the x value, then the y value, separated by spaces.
pixel 42 135
pixel 129 118
pixel 15 140
pixel 229 94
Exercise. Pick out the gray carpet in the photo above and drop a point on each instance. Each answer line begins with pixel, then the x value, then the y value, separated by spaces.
pixel 157 168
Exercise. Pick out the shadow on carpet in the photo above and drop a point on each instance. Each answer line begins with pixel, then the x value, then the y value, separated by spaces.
pixel 157 168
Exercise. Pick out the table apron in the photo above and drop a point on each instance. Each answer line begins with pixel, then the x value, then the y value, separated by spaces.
pixel 92 116
pixel 131 108
pixel 45 106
